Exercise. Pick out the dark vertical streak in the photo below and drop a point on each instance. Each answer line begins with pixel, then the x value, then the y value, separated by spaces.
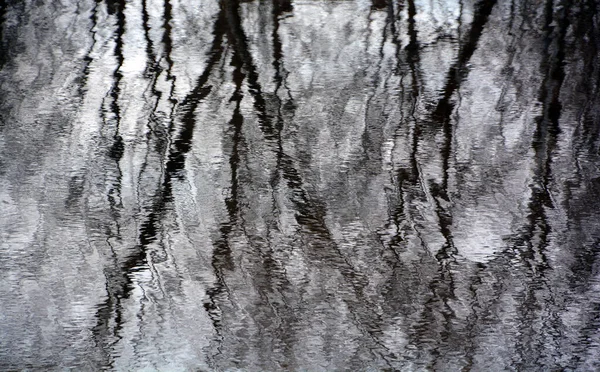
pixel 587 131
pixel 273 269
pixel 222 260
pixel 182 144
pixel 156 131
pixel 412 52
pixel 120 283
pixel 150 55
pixel 372 138
pixel 413 58
pixel 528 248
pixel 587 30
pixel 508 69
pixel 392 18
pixel 161 130
pixel 379 4
pixel 457 73
pixel 413 45
pixel 9 46
pixel 3 47
pixel 442 287
pixel 167 40
pixel 535 238
pixel 279 6
pixel 310 214
pixel 111 308
pixel 118 147
pixel 282 6
pixel 443 111
pixel 237 38
pixel 403 175
pixel 88 59
pixel 137 259
pixel 479 309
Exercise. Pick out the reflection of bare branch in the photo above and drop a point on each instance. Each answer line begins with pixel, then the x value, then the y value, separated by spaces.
pixel 456 75
pixel 112 306
pixel 119 279
pixel 222 256
pixel 535 237
pixel 87 59
pixel 182 143
pixel 3 48
pixel 150 55
pixel 310 214
pixel 443 111
pixel 528 247
pixel 250 265
pixel 442 287
pixel 587 130
pixel 402 176
pixel 379 4
pixel 279 7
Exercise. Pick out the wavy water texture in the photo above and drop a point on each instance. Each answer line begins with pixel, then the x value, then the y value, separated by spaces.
pixel 301 185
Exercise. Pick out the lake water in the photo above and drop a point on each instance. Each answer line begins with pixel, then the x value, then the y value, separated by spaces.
pixel 308 185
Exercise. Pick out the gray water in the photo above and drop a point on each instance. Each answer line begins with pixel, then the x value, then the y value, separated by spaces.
pixel 311 185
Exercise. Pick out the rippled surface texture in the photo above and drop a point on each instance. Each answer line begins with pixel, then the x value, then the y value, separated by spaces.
pixel 312 185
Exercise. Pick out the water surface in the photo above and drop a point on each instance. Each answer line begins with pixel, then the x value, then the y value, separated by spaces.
pixel 307 185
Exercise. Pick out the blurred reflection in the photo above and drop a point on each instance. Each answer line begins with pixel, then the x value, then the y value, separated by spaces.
pixel 299 185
